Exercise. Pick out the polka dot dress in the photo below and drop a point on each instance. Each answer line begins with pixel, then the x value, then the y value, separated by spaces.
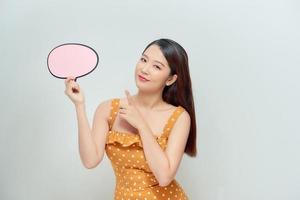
pixel 134 179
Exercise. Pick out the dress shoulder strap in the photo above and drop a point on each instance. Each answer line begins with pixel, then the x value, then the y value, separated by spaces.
pixel 114 107
pixel 171 121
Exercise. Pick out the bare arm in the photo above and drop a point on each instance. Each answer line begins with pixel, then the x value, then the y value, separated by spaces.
pixel 164 164
pixel 91 141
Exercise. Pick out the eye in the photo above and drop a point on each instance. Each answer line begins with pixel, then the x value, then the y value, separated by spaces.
pixel 143 59
pixel 156 66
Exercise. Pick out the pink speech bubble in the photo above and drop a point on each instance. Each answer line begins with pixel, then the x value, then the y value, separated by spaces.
pixel 72 59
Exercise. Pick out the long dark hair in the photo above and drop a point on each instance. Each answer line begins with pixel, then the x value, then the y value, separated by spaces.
pixel 180 92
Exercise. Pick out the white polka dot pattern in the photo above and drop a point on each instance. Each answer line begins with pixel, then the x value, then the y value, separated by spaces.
pixel 134 179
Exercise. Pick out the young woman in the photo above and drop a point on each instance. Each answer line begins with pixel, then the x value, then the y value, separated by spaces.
pixel 144 135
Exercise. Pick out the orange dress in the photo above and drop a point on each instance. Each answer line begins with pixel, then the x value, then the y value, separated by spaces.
pixel 134 179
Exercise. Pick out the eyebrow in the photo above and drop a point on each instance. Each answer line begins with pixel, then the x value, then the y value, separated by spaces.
pixel 154 60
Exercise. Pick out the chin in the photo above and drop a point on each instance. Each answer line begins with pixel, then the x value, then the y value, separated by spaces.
pixel 146 89
pixel 142 87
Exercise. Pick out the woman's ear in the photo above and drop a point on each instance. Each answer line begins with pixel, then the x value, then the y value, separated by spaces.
pixel 171 80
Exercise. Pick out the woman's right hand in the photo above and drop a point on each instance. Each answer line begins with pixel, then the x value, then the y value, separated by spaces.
pixel 73 91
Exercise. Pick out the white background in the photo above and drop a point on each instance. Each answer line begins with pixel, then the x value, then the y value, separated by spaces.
pixel 244 64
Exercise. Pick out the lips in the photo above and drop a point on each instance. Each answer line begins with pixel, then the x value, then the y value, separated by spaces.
pixel 140 76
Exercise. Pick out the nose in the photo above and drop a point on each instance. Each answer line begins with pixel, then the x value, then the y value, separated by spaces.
pixel 145 69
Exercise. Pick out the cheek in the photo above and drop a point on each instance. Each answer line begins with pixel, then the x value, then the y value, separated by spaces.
pixel 160 78
pixel 138 66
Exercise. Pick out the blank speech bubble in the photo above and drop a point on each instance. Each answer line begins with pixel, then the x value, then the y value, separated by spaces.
pixel 72 59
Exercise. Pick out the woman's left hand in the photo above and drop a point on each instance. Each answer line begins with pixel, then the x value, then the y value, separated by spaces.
pixel 130 112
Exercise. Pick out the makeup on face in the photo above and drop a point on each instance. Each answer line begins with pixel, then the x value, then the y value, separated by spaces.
pixel 143 79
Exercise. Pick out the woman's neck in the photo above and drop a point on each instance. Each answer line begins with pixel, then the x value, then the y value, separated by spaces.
pixel 149 101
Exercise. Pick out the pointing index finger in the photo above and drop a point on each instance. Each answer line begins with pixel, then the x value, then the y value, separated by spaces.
pixel 129 99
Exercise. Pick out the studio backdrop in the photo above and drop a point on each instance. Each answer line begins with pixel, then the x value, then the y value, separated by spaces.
pixel 244 66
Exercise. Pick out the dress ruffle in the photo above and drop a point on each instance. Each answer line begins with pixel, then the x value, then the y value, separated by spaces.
pixel 128 139
pixel 125 139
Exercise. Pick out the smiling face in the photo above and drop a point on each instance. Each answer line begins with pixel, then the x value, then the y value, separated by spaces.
pixel 152 72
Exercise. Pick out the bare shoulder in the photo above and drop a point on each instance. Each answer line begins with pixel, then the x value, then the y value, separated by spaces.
pixel 184 117
pixel 177 141
pixel 182 125
pixel 104 108
pixel 185 113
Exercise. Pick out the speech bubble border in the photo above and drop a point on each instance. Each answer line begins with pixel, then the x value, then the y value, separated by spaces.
pixel 72 43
